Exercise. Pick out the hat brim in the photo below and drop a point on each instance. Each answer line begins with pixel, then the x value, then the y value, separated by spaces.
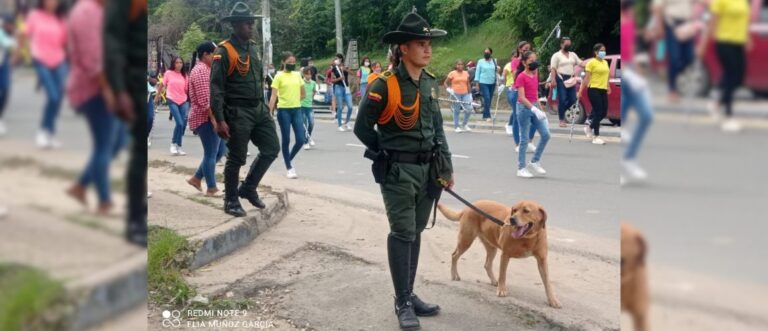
pixel 238 18
pixel 399 37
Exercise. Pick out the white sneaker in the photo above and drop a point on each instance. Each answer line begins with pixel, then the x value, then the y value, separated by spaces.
pixel 43 139
pixel 524 173
pixel 149 194
pixel 306 146
pixel 537 169
pixel 517 149
pixel 588 131
pixel 626 136
pixel 292 174
pixel 181 152
pixel 311 142
pixel 348 127
pixel 174 149
pixel 598 141
pixel 467 128
pixel 3 130
pixel 341 128
pixel 731 126
pixel 459 130
pixel 510 132
pixel 531 148
pixel 634 171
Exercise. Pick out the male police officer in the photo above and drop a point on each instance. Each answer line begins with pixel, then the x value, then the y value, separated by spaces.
pixel 237 102
pixel 406 147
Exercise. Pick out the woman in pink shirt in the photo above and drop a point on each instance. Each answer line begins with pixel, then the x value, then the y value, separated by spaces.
pixel 529 113
pixel 175 84
pixel 47 36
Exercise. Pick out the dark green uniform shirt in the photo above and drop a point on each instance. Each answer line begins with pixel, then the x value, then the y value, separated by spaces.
pixel 428 129
pixel 125 47
pixel 235 87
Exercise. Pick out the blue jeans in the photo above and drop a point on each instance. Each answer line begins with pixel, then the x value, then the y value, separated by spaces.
pixel 150 113
pixel 679 55
pixel 5 82
pixel 512 99
pixel 363 87
pixel 102 124
pixel 308 120
pixel 566 96
pixel 458 107
pixel 342 97
pixel 639 101
pixel 526 118
pixel 214 149
pixel 287 118
pixel 179 113
pixel 52 80
pixel 487 91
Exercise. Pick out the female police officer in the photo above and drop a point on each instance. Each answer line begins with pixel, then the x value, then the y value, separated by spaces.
pixel 410 152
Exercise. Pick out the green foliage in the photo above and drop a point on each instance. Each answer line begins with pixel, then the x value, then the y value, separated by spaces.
pixel 27 296
pixel 165 259
pixel 188 43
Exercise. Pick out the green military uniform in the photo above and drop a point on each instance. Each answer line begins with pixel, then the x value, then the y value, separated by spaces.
pixel 404 189
pixel 237 97
pixel 406 148
pixel 125 66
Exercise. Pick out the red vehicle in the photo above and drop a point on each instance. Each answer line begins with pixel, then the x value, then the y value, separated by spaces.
pixel 700 82
pixel 614 99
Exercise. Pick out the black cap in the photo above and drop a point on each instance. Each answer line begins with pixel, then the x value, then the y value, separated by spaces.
pixel 239 13
pixel 413 27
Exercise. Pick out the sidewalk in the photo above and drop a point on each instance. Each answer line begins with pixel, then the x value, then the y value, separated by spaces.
pixel 102 274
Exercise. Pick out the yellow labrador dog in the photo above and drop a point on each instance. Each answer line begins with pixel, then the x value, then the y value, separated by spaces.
pixel 634 280
pixel 524 235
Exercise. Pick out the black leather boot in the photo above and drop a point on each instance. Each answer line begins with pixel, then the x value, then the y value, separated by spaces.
pixel 248 188
pixel 231 203
pixel 398 252
pixel 420 307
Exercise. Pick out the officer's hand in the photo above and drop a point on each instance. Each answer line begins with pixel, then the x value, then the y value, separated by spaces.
pixel 223 130
pixel 125 109
pixel 449 183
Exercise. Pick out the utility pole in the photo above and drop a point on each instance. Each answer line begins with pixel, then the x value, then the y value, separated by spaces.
pixel 266 30
pixel 339 40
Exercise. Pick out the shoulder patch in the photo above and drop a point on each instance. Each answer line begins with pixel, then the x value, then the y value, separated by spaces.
pixel 385 75
pixel 429 73
pixel 374 96
pixel 216 57
pixel 223 42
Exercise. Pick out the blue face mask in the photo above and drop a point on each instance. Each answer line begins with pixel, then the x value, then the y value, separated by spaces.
pixel 601 54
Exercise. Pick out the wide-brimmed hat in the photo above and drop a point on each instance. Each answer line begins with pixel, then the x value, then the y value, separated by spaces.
pixel 412 27
pixel 240 12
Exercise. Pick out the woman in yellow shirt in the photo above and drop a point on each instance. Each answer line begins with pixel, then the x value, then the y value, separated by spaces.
pixel 287 92
pixel 597 76
pixel 730 25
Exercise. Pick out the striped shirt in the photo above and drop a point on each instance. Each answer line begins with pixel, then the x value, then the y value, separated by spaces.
pixel 199 95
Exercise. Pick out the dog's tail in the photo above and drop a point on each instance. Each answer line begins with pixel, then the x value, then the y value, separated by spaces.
pixel 449 213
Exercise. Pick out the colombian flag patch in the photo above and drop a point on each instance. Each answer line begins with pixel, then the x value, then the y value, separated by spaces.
pixel 216 57
pixel 374 96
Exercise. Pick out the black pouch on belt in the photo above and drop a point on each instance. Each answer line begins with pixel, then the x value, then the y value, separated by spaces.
pixel 380 165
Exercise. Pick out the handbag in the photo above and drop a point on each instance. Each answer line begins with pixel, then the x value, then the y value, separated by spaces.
pixel 688 30
pixel 570 82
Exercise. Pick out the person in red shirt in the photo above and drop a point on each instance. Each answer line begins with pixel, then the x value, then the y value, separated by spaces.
pixel 529 113
pixel 200 118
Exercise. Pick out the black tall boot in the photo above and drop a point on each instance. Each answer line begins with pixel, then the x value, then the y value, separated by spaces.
pixel 399 259
pixel 247 190
pixel 420 307
pixel 231 203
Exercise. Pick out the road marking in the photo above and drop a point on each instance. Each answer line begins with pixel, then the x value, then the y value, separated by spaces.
pixel 356 145
pixel 593 211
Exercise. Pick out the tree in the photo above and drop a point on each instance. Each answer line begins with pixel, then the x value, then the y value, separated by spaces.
pixel 188 43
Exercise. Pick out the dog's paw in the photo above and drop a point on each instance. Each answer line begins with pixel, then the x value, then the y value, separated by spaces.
pixel 554 303
pixel 502 292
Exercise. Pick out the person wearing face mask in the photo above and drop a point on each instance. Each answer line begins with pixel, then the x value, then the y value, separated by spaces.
pixel 529 113
pixel 562 66
pixel 375 72
pixel 597 79
pixel 485 78
pixel 287 92
pixel 362 75
pixel 508 77
pixel 340 79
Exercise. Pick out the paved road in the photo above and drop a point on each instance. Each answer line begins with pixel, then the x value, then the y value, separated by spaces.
pixel 580 191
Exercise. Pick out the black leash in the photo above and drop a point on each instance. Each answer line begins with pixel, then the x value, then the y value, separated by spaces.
pixel 468 204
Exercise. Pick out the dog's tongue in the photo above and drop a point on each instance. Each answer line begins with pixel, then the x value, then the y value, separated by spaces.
pixel 519 232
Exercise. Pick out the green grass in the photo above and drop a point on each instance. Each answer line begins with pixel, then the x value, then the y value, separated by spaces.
pixel 445 52
pixel 166 259
pixel 29 300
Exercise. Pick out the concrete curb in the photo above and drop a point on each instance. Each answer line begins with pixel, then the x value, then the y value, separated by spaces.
pixel 104 295
pixel 230 236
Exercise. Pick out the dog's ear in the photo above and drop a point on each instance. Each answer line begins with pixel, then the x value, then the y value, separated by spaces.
pixel 642 249
pixel 543 217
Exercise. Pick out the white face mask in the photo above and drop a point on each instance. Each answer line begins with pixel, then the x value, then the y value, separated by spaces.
pixel 367 64
pixel 337 62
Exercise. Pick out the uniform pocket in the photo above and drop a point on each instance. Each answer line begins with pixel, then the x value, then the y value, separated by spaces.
pixel 393 176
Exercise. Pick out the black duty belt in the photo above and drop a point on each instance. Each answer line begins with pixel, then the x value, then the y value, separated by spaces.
pixel 410 157
pixel 236 102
